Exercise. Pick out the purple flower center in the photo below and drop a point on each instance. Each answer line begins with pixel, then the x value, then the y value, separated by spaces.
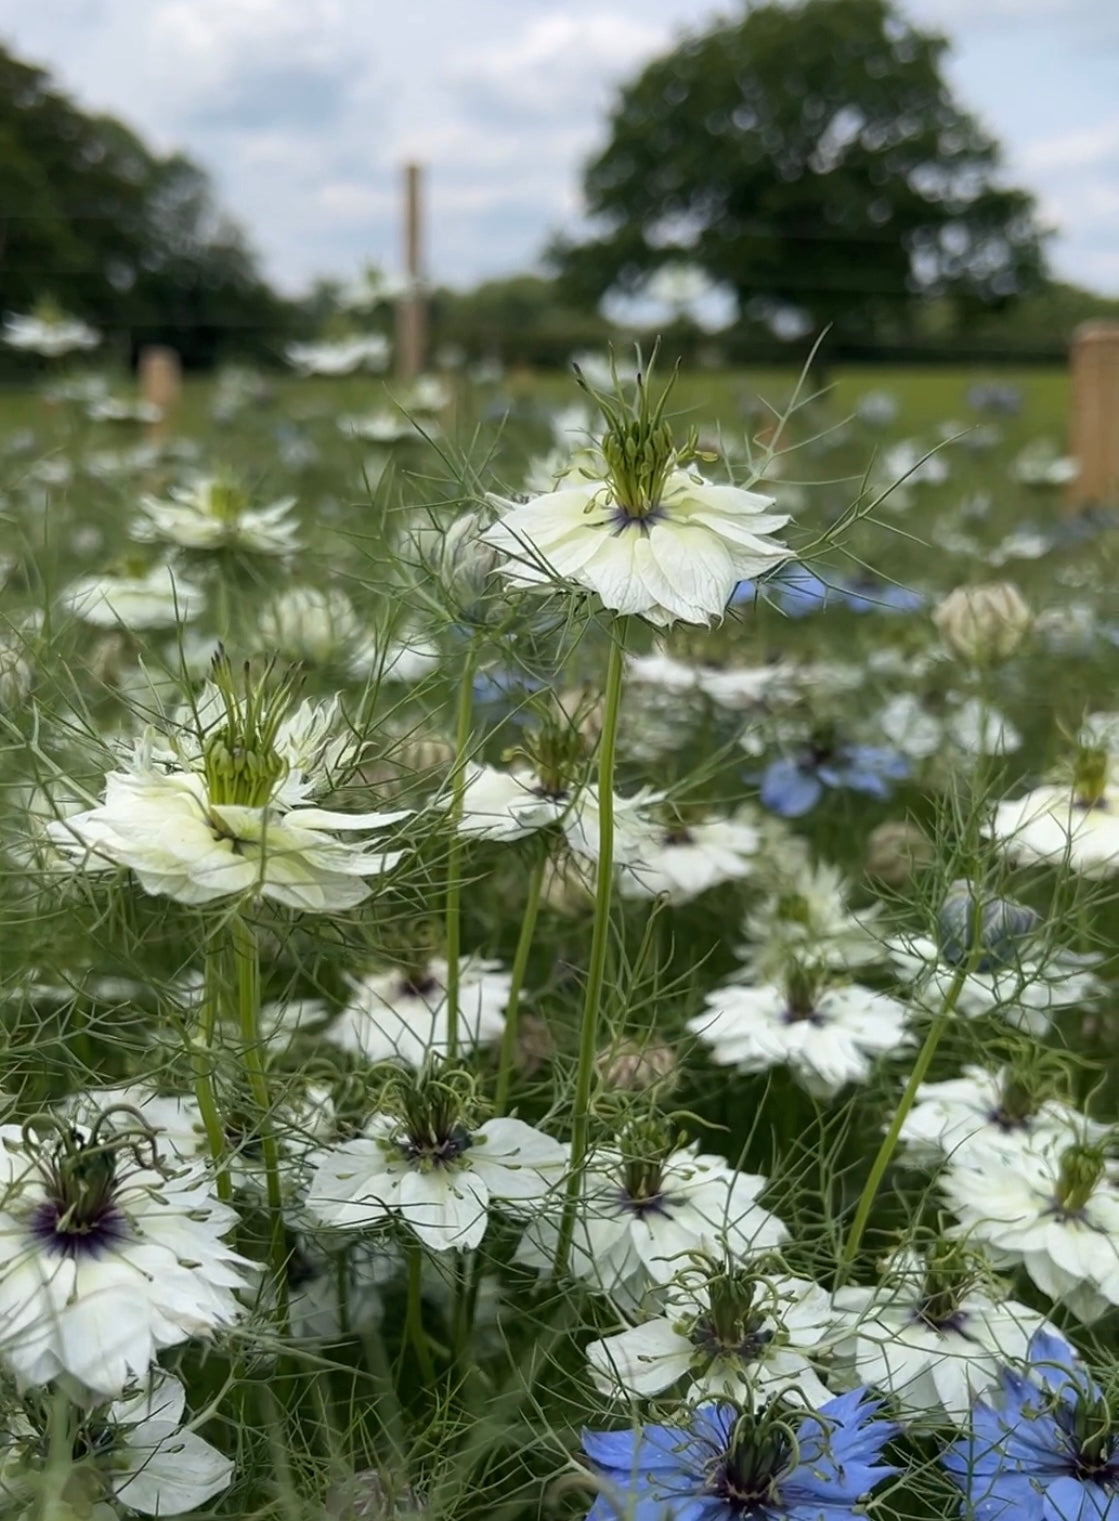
pixel 437 1150
pixel 420 986
pixel 620 520
pixel 73 1233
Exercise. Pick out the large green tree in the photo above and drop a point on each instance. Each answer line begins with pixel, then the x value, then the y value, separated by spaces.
pixel 129 240
pixel 811 157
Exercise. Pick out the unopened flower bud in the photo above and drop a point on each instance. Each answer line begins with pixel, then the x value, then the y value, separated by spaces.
pixel 466 561
pixel 991 932
pixel 568 886
pixel 633 1066
pixel 367 1497
pixel 982 624
pixel 535 1046
pixel 896 851
pixel 585 711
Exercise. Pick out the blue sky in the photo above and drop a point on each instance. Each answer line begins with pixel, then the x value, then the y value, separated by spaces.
pixel 303 110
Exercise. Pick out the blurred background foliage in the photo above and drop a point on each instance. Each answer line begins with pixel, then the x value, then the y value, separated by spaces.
pixel 808 162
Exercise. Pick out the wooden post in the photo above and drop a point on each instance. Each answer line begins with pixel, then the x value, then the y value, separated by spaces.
pixel 160 383
pixel 1094 417
pixel 411 326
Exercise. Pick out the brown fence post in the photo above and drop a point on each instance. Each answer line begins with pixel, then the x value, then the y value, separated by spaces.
pixel 411 325
pixel 161 383
pixel 1094 415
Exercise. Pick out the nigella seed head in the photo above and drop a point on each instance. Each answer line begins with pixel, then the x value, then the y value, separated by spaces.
pixel 747 1475
pixel 1089 1425
pixel 804 984
pixel 1081 1169
pixel 646 1146
pixel 740 1303
pixel 639 449
pixel 79 1213
pixel 240 760
pixel 435 1113
pixel 1090 776
pixel 951 1274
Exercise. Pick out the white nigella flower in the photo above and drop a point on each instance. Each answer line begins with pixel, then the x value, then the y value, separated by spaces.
pixel 214 513
pixel 401 1015
pixel 1039 464
pixel 740 687
pixel 1026 986
pixel 237 825
pixel 650 536
pixel 663 671
pixel 970 728
pixel 508 805
pixel 156 598
pixel 123 409
pixel 303 1118
pixel 133 1450
pixel 1054 1212
pixel 936 1333
pixel 380 427
pixel 1075 825
pixel 340 357
pixel 111 1251
pixel 806 919
pixel 738 1335
pixel 981 1111
pixel 689 858
pixel 432 1169
pixel 826 1036
pixel 309 624
pixel 646 1208
pixel 48 332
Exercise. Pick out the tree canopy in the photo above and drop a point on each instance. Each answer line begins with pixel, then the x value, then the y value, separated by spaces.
pixel 812 158
pixel 132 242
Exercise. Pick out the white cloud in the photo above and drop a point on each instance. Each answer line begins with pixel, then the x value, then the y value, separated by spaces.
pixel 1070 151
pixel 558 63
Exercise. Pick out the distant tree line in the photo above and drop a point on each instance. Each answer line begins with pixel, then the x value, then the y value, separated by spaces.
pixel 808 157
pixel 132 242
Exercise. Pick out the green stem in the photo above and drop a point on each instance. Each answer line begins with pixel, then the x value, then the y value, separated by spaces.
pixel 890 1140
pixel 465 713
pixel 600 941
pixel 247 959
pixel 520 966
pixel 414 1323
pixel 202 1062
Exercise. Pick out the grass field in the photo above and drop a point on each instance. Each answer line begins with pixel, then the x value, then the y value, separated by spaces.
pixel 368 1351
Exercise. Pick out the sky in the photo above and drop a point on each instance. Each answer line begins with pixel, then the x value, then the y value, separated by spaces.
pixel 304 111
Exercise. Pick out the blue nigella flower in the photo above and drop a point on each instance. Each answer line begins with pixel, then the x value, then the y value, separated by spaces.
pixel 793 785
pixel 866 595
pixel 798 591
pixel 1046 1450
pixel 726 1464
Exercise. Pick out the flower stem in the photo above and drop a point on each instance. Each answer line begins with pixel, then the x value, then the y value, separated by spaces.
pixel 202 1063
pixel 464 714
pixel 247 960
pixel 600 941
pixel 890 1140
pixel 414 1322
pixel 520 965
